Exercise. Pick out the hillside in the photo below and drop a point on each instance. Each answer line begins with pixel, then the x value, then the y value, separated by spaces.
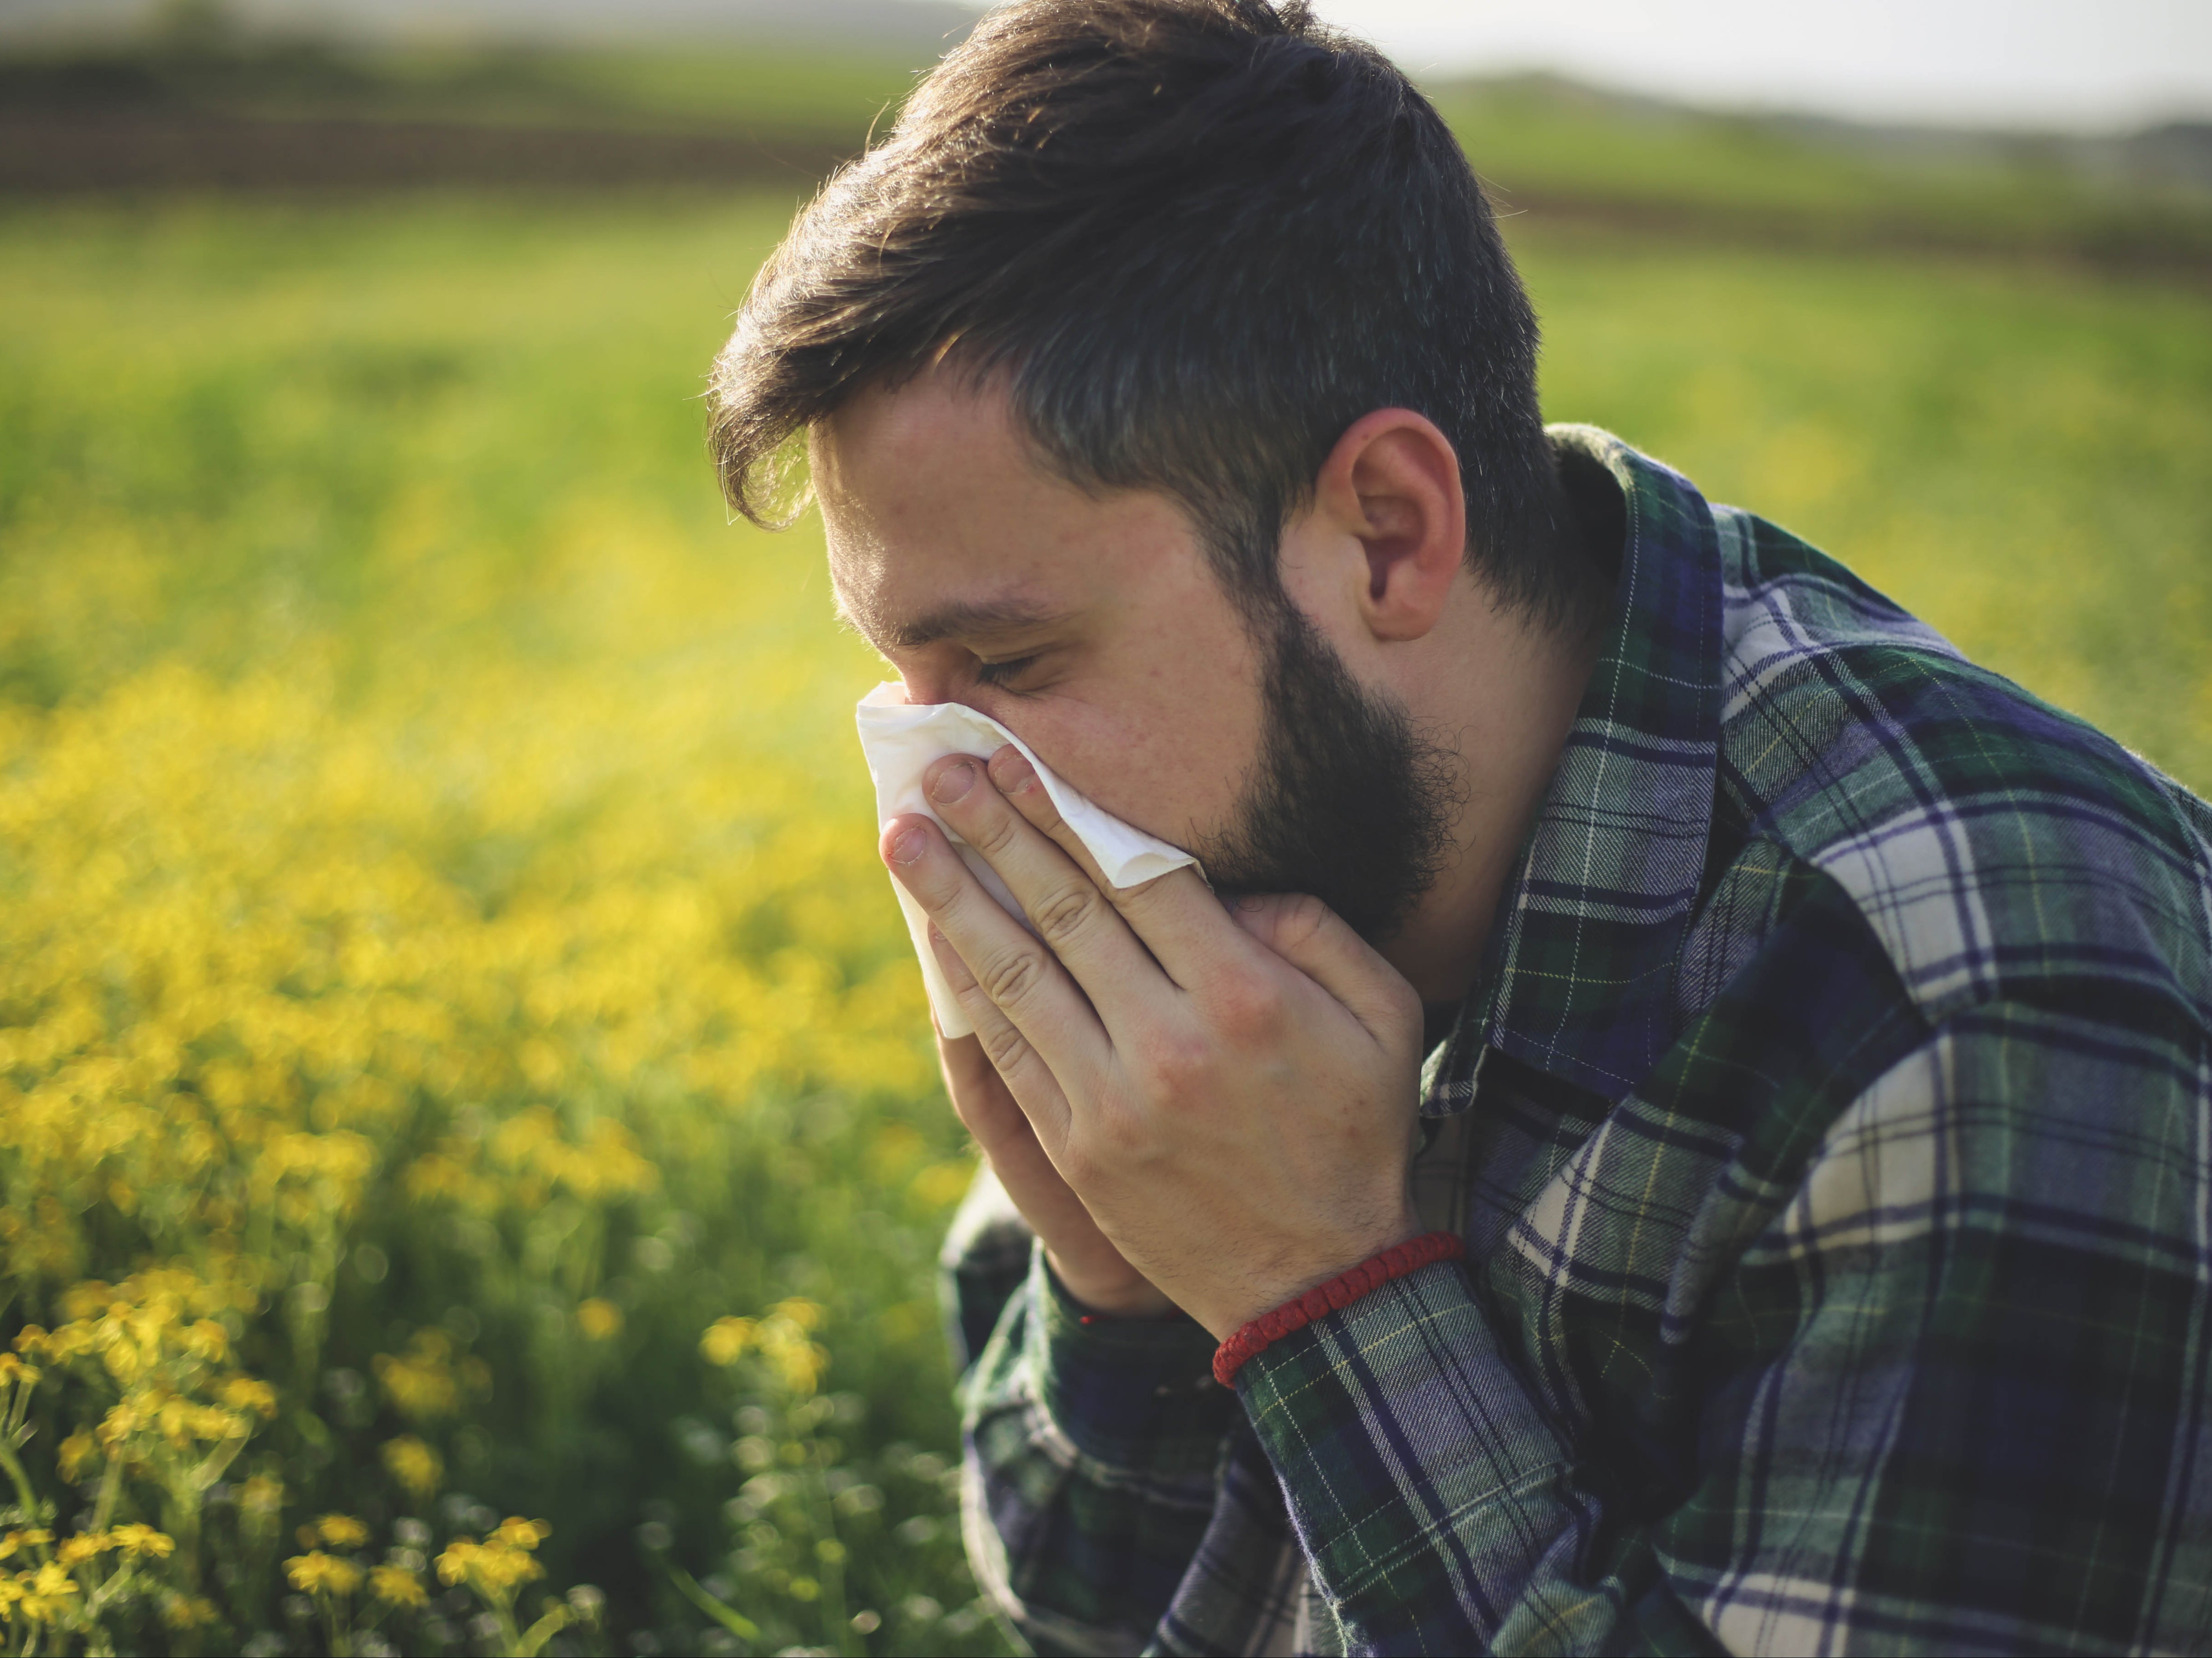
pixel 219 108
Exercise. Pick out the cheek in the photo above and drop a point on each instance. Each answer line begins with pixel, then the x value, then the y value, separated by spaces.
pixel 1167 747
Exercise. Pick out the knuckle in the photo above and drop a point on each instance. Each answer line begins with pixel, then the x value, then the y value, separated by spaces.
pixel 993 832
pixel 1066 912
pixel 1244 1007
pixel 1005 1046
pixel 1176 1065
pixel 1013 976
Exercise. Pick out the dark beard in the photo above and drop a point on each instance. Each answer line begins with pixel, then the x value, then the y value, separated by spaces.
pixel 1349 803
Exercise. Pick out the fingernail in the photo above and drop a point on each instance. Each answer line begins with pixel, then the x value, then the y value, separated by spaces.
pixel 1012 773
pixel 953 782
pixel 907 845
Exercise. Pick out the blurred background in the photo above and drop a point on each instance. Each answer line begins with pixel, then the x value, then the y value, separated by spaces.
pixel 458 1058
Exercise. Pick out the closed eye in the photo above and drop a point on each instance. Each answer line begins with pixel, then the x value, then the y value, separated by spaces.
pixel 999 673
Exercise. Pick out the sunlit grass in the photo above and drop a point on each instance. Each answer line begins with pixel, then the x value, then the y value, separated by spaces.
pixel 441 949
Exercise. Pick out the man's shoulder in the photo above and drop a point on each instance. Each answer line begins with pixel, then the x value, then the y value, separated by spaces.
pixel 1997 847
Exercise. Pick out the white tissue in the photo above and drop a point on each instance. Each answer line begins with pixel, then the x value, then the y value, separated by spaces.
pixel 901 738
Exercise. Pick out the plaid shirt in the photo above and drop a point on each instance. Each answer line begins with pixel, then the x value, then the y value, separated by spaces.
pixel 1831 1130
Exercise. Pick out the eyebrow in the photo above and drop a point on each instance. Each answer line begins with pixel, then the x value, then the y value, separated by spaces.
pixel 958 619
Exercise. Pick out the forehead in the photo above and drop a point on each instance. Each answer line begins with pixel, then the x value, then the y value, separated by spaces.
pixel 937 505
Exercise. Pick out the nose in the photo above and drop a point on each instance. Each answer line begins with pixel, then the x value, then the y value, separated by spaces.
pixel 925 690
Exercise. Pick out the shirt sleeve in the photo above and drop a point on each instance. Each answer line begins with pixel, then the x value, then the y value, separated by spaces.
pixel 1093 1452
pixel 1951 1407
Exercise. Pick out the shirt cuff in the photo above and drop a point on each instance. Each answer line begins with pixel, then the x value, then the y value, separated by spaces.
pixel 1393 1421
pixel 1131 1392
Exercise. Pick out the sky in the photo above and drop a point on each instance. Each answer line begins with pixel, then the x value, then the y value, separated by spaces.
pixel 2083 63
pixel 2079 63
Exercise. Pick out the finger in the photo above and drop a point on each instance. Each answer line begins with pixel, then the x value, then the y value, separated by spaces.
pixel 1002 1131
pixel 1003 965
pixel 1175 916
pixel 1020 1071
pixel 1313 938
pixel 1061 896
pixel 979 1094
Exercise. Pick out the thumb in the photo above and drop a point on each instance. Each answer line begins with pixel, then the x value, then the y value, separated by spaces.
pixel 1313 938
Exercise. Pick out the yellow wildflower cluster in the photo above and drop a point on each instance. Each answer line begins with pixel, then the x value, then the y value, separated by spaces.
pixel 498 1565
pixel 307 1035
pixel 64 1582
pixel 280 967
pixel 406 980
pixel 157 1343
pixel 426 1382
pixel 417 1467
pixel 317 1573
pixel 780 1336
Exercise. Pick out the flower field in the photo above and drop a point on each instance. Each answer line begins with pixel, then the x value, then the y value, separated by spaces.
pixel 470 1159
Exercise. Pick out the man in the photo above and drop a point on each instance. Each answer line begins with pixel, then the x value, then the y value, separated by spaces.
pixel 1807 1035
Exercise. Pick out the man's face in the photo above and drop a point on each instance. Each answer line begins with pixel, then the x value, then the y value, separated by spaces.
pixel 1092 625
pixel 1095 627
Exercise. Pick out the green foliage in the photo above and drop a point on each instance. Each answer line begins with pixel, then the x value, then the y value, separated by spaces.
pixel 438 921
pixel 441 919
pixel 2014 452
pixel 1542 144
pixel 781 88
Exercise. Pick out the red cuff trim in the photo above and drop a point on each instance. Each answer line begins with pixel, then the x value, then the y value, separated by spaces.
pixel 1338 1293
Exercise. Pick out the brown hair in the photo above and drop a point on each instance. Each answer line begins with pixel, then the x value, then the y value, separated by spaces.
pixel 1197 239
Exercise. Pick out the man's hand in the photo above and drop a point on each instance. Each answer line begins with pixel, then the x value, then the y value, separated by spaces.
pixel 1228 1096
pixel 1094 1270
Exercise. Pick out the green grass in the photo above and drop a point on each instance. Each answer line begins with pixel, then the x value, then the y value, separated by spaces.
pixel 2016 453
pixel 1535 139
pixel 768 86
pixel 1542 140
pixel 372 549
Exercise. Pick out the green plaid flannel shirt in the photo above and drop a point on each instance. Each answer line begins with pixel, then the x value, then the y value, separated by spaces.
pixel 1831 1130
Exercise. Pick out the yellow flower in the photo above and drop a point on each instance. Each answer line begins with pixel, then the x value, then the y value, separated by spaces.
pixel 145 1540
pixel 421 1382
pixel 725 1340
pixel 599 1320
pixel 517 1533
pixel 86 1545
pixel 317 1573
pixel 85 1300
pixel 46 1591
pixel 459 1555
pixel 78 1450
pixel 397 1587
pixel 797 1362
pixel 22 1542
pixel 245 1393
pixel 500 1564
pixel 12 1369
pixel 414 1465
pixel 807 1315
pixel 343 1531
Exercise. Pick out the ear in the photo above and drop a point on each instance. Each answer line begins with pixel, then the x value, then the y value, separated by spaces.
pixel 1392 484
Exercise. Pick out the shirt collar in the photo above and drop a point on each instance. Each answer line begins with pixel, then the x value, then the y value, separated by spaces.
pixel 1578 976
